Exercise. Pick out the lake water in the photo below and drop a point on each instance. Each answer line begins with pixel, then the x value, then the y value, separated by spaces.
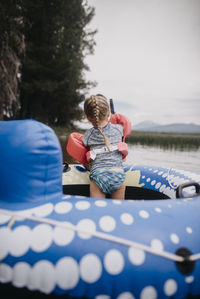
pixel 154 156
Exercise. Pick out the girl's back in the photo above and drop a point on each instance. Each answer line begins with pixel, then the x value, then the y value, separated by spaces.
pixel 94 140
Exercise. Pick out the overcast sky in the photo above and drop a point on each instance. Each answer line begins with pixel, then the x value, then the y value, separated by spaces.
pixel 147 58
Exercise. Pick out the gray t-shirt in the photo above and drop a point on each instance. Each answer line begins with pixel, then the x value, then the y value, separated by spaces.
pixel 93 139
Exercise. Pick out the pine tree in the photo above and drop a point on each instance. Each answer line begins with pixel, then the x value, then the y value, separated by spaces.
pixel 53 82
pixel 11 52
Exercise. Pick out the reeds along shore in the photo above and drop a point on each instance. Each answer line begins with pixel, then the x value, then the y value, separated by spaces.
pixel 166 140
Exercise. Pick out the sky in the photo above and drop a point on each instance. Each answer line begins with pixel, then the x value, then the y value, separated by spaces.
pixel 147 58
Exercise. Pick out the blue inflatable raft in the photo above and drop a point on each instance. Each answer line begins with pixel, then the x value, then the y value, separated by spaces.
pixel 56 240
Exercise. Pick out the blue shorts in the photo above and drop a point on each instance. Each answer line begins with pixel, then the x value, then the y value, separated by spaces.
pixel 108 180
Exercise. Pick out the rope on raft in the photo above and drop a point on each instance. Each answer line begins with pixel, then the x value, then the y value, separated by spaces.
pixel 108 237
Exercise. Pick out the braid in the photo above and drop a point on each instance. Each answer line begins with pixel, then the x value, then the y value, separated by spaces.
pixel 96 108
pixel 96 111
pixel 106 140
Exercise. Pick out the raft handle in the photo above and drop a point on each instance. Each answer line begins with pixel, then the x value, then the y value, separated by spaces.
pixel 187 266
pixel 66 167
pixel 179 190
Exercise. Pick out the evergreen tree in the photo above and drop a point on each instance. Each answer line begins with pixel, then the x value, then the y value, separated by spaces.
pixel 53 82
pixel 11 52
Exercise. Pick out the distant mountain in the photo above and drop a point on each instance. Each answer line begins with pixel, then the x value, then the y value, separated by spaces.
pixel 150 126
pixel 144 125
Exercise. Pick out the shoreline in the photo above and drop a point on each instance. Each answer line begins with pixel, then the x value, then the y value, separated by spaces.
pixel 165 141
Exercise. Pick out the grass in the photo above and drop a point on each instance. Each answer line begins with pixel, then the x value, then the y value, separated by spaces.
pixel 166 140
pixel 183 142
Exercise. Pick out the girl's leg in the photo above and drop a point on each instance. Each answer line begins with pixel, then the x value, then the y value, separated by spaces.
pixel 95 191
pixel 119 193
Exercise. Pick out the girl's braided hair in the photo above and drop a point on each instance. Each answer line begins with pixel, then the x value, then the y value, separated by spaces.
pixel 96 109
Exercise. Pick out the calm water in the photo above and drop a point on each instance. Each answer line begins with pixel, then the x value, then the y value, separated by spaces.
pixel 146 155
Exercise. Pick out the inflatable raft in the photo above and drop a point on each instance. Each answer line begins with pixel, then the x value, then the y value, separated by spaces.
pixel 57 240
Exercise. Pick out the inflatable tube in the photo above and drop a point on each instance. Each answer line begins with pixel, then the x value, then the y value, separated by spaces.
pixel 78 246
pixel 30 162
pixel 142 182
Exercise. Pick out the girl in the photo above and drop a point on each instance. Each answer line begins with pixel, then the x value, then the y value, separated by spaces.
pixel 106 172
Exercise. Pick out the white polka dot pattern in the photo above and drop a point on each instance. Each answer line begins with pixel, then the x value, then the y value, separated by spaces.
pixel 144 214
pixel 107 223
pixel 82 205
pixel 114 261
pixel 63 207
pixel 149 292
pixel 170 287
pixel 127 218
pixel 67 273
pixel 157 245
pixel 63 236
pixel 56 258
pixel 136 256
pixel 90 268
pixel 174 238
pixel 87 225
pixel 126 295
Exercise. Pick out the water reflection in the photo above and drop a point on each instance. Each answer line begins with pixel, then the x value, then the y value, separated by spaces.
pixel 186 160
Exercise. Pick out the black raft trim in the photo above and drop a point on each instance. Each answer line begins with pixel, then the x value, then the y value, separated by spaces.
pixel 131 192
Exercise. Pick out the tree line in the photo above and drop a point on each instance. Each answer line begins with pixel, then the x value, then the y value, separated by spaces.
pixel 43 44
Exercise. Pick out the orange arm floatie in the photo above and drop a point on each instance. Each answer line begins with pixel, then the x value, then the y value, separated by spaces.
pixel 121 119
pixel 76 149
